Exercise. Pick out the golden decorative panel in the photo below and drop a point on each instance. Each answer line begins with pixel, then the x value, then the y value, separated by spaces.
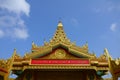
pixel 60 54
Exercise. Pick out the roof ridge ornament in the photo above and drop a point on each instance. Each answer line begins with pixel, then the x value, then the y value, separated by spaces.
pixel 60 24
pixel 33 45
pixel 107 54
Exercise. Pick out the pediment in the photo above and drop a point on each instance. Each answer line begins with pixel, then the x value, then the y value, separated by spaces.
pixel 60 53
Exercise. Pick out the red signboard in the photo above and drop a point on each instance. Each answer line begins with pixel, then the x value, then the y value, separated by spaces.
pixel 45 61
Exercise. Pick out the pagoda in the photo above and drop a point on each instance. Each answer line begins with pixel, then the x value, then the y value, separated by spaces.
pixel 59 59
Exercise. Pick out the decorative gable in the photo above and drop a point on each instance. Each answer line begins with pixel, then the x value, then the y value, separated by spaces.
pixel 59 47
pixel 60 53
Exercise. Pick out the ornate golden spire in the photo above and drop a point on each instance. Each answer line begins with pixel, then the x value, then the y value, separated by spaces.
pixel 60 35
pixel 60 24
pixel 33 45
pixel 107 54
pixel 10 64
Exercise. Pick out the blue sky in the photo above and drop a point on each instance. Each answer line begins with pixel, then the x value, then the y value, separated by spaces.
pixel 94 21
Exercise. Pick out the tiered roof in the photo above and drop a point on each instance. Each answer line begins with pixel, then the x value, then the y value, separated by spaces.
pixel 60 39
pixel 60 48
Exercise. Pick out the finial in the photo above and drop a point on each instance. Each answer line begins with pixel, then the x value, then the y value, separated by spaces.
pixel 33 45
pixel 107 53
pixel 15 50
pixel 86 44
pixel 32 42
pixel 10 64
pixel 45 43
pixel 60 24
pixel 60 19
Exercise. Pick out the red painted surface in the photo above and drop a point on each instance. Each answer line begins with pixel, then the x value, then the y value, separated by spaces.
pixel 3 70
pixel 46 61
pixel 117 71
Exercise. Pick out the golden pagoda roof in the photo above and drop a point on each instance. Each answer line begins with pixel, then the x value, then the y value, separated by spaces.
pixel 59 40
pixel 60 35
pixel 52 51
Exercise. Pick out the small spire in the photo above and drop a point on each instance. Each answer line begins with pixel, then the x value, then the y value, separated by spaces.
pixel 86 44
pixel 11 62
pixel 60 24
pixel 60 34
pixel 15 51
pixel 59 21
pixel 107 53
pixel 33 43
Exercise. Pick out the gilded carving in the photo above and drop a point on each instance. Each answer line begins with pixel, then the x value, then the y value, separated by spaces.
pixel 3 63
pixel 60 54
pixel 102 57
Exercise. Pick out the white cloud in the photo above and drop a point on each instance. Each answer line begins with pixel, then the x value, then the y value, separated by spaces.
pixel 20 33
pixel 11 22
pixel 13 27
pixel 106 6
pixel 113 27
pixel 1 33
pixel 7 21
pixel 15 6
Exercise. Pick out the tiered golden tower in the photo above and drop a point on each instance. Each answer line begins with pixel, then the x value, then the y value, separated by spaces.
pixel 58 59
